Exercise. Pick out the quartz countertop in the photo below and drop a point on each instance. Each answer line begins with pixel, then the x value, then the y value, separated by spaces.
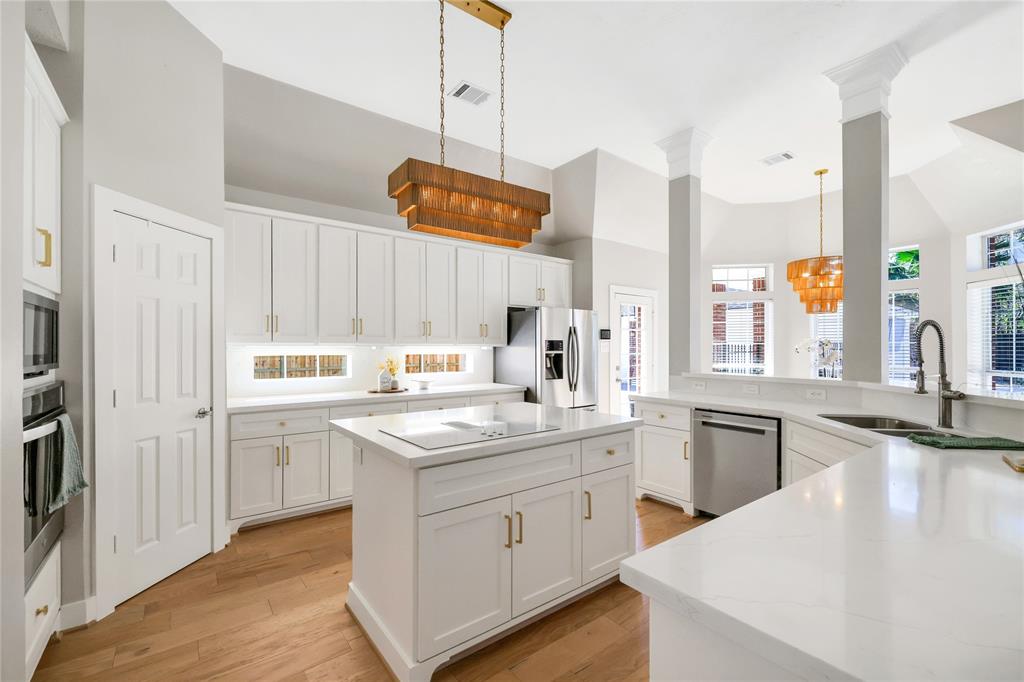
pixel 275 402
pixel 572 425
pixel 900 562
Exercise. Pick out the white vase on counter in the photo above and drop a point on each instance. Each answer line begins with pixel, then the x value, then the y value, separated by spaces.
pixel 384 380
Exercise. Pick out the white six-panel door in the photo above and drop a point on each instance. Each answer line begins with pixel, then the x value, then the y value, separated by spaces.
pixel 375 288
pixel 546 549
pixel 440 293
pixel 163 378
pixel 337 256
pixel 295 281
pixel 410 291
pixel 306 468
pixel 247 266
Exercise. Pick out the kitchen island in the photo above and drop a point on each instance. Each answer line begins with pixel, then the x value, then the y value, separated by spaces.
pixel 459 536
pixel 896 562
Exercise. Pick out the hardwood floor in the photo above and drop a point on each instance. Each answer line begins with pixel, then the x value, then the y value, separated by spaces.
pixel 271 606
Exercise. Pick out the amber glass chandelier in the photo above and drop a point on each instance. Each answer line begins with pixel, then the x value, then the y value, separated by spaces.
pixel 445 201
pixel 818 280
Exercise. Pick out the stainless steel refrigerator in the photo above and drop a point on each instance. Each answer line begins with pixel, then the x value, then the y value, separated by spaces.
pixel 553 353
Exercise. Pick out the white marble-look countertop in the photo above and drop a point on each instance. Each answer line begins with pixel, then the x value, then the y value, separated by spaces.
pixel 901 562
pixel 572 425
pixel 305 400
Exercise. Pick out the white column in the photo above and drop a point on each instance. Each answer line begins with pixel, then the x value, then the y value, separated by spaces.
pixel 864 87
pixel 684 151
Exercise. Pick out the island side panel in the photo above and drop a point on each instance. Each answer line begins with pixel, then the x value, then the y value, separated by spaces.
pixel 384 544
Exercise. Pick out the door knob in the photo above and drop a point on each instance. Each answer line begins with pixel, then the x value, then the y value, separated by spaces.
pixel 203 413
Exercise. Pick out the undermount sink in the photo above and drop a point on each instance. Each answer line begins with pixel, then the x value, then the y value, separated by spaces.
pixel 875 423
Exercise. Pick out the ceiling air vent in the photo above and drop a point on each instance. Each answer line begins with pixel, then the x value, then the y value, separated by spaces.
pixel 778 158
pixel 467 92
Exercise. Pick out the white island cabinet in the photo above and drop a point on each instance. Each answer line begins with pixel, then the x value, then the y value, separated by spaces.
pixel 484 536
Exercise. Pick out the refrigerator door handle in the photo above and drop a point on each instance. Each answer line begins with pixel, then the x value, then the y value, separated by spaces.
pixel 574 359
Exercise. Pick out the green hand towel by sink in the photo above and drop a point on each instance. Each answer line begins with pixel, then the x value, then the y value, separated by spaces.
pixel 964 443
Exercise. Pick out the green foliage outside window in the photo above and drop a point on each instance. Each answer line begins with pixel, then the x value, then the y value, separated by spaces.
pixel 904 264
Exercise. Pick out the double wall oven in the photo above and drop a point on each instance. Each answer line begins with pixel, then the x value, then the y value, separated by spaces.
pixel 42 439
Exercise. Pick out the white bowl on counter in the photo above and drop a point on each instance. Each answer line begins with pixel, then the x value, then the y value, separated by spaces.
pixel 422 384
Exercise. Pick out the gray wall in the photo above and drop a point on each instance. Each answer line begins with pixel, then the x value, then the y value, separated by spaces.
pixel 285 141
pixel 144 92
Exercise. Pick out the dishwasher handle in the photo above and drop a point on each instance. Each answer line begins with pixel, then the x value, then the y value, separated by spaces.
pixel 736 426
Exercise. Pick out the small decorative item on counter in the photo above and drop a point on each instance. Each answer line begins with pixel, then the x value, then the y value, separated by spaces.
pixel 387 380
pixel 384 380
pixel 394 384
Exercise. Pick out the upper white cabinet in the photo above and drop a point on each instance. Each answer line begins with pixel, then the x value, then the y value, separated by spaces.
pixel 535 282
pixel 294 281
pixel 424 292
pixel 247 301
pixel 338 316
pixel 375 288
pixel 44 116
pixel 482 297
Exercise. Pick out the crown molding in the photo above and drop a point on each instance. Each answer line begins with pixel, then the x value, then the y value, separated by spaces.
pixel 866 82
pixel 684 152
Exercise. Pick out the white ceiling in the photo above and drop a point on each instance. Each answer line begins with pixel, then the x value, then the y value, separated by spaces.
pixel 621 75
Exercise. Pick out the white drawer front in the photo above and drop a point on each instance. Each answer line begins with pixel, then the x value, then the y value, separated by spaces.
pixel 367 410
pixel 463 483
pixel 820 446
pixel 667 416
pixel 42 603
pixel 280 423
pixel 437 404
pixel 606 452
pixel 497 399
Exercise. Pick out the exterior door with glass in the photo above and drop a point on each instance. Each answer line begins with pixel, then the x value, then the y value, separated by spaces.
pixel 632 351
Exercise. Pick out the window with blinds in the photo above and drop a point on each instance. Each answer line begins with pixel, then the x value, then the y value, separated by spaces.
pixel 995 335
pixel 829 326
pixel 739 331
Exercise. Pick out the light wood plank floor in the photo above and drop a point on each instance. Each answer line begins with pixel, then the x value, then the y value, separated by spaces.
pixel 271 606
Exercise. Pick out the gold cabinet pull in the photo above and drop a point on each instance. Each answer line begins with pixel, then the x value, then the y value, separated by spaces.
pixel 487 330
pixel 430 328
pixel 277 457
pixel 519 515
pixel 277 326
pixel 481 329
pixel 508 520
pixel 287 455
pixel 266 324
pixel 353 326
pixel 43 610
pixel 590 511
pixel 686 449
pixel 610 451
pixel 47 248
pixel 360 326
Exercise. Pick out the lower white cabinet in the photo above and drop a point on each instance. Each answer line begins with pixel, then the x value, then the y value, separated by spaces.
pixel 609 535
pixel 342 450
pixel 663 463
pixel 42 606
pixel 464 573
pixel 546 548
pixel 796 466
pixel 256 476
pixel 306 469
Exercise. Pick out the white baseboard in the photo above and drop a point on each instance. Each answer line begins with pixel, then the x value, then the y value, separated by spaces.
pixel 76 614
pixel 235 524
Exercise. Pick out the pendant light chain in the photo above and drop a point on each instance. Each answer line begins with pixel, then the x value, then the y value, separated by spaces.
pixel 441 3
pixel 501 109
pixel 821 215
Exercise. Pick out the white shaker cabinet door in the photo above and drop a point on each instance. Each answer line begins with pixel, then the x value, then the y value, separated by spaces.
pixel 341 466
pixel 664 463
pixel 464 574
pixel 523 281
pixel 546 547
pixel 556 285
pixel 337 290
pixel 470 304
pixel 306 468
pixel 376 288
pixel 796 466
pixel 295 281
pixel 494 285
pixel 247 301
pixel 256 470
pixel 410 291
pixel 609 531
pixel 440 293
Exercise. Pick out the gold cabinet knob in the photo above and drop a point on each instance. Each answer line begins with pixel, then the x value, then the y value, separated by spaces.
pixel 369 414
pixel 282 424
pixel 43 610
pixel 661 416
pixel 610 451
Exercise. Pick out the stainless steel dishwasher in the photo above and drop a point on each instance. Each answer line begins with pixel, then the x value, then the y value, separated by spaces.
pixel 735 460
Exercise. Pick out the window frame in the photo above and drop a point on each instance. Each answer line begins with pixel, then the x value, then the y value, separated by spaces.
pixel 767 297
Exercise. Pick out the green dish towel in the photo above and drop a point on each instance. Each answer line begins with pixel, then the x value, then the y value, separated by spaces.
pixel 964 443
pixel 64 474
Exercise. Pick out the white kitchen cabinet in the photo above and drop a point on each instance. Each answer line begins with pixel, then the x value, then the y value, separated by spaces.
pixel 663 464
pixel 523 281
pixel 337 304
pixel 248 299
pixel 608 536
pixel 375 290
pixel 464 573
pixel 306 469
pixel 425 308
pixel 44 116
pixel 556 284
pixel 342 450
pixel 482 285
pixel 295 281
pixel 546 548
pixel 42 608
pixel 256 476
pixel 796 466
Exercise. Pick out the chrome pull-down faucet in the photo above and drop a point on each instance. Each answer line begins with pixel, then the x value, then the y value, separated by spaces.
pixel 946 393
